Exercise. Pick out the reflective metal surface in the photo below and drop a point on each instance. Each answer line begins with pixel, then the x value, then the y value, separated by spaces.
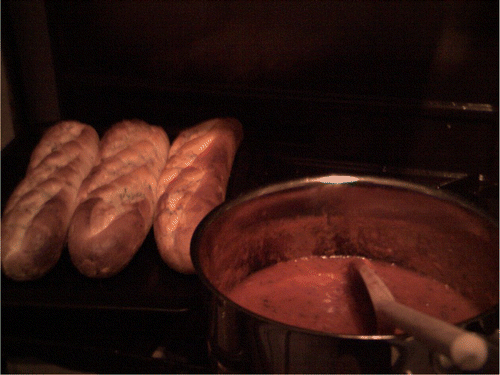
pixel 413 226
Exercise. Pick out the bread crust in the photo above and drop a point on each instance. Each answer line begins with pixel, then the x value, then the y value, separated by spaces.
pixel 37 215
pixel 118 199
pixel 193 183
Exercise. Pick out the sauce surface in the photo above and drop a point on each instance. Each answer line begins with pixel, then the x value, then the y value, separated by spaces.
pixel 325 294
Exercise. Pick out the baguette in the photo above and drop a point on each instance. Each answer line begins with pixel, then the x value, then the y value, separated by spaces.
pixel 193 182
pixel 118 199
pixel 37 214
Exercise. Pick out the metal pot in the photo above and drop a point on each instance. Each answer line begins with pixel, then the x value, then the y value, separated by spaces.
pixel 413 226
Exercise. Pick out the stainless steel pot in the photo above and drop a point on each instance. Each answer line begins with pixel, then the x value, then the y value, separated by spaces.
pixel 415 227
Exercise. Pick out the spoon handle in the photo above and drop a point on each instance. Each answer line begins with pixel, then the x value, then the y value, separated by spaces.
pixel 467 350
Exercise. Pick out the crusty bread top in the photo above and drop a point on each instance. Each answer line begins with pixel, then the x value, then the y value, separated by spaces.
pixel 59 139
pixel 62 158
pixel 193 142
pixel 193 182
pixel 37 214
pixel 132 153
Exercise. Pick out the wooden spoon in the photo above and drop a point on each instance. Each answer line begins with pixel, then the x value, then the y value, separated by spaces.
pixel 465 349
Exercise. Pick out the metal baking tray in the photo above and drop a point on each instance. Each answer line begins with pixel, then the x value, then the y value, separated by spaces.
pixel 147 283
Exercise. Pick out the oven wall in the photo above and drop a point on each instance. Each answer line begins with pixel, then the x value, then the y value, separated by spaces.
pixel 352 79
pixel 6 124
pixel 30 95
pixel 436 50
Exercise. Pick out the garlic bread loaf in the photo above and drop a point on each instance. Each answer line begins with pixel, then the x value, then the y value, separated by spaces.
pixel 193 182
pixel 37 215
pixel 118 199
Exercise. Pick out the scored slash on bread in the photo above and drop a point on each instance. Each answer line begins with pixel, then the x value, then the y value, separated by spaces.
pixel 193 182
pixel 118 199
pixel 38 212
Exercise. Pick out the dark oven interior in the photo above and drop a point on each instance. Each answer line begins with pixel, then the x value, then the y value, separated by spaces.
pixel 399 89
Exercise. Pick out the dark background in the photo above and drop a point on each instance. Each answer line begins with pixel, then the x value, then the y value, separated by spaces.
pixel 411 83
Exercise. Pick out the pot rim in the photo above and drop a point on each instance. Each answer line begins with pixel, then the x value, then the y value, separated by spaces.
pixel 335 179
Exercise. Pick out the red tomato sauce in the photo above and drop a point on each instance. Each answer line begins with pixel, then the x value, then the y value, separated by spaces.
pixel 325 294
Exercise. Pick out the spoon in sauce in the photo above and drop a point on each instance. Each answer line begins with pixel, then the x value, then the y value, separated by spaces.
pixel 465 349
